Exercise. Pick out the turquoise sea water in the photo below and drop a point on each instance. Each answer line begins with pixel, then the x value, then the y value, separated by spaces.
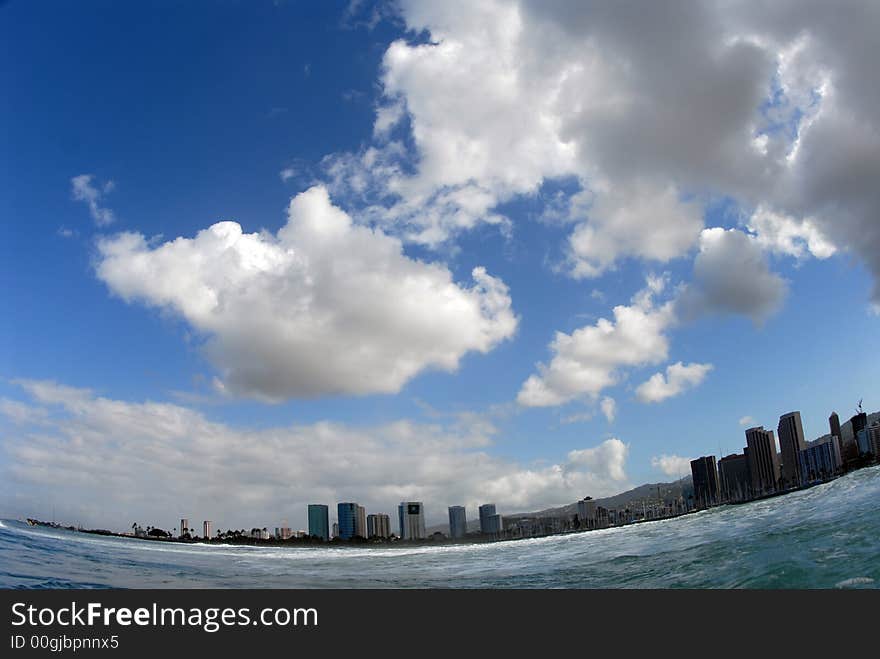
pixel 824 537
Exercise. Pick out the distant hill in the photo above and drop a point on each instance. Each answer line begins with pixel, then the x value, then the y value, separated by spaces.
pixel 646 492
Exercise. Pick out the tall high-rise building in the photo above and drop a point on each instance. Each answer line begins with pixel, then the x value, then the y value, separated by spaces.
pixel 496 524
pixel 874 439
pixel 347 514
pixel 734 480
pixel 834 443
pixel 586 512
pixel 184 527
pixel 411 515
pixel 490 521
pixel 820 460
pixel 856 441
pixel 834 425
pixel 863 441
pixel 206 529
pixel 487 512
pixel 457 522
pixel 791 443
pixel 335 531
pixel 378 526
pixel 859 422
pixel 763 461
pixel 848 449
pixel 705 475
pixel 360 523
pixel 319 521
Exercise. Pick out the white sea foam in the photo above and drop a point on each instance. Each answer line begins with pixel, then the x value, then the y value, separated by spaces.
pixel 855 581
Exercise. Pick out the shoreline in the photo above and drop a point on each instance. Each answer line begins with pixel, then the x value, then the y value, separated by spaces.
pixel 473 539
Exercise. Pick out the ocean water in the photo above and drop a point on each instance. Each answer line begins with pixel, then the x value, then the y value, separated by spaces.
pixel 824 537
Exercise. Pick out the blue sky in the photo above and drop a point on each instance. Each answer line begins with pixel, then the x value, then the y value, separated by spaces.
pixel 206 112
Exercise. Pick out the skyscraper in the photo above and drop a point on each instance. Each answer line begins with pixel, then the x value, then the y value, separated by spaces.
pixel 874 438
pixel 791 443
pixel 848 449
pixel 490 521
pixel 206 529
pixel 319 521
pixel 378 526
pixel 834 424
pixel 705 475
pixel 859 445
pixel 411 515
pixel 863 441
pixel 586 512
pixel 457 522
pixel 360 523
pixel 347 514
pixel 184 527
pixel 734 480
pixel 859 422
pixel 820 460
pixel 763 461
pixel 834 442
pixel 487 511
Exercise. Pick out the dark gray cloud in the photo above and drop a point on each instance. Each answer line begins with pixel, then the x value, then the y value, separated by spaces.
pixel 731 276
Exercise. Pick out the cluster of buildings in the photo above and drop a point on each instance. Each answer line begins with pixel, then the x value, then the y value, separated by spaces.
pixel 353 522
pixel 765 468
pixel 590 515
pixel 188 532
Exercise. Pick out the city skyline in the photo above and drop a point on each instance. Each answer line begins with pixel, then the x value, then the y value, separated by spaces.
pixel 381 253
pixel 734 478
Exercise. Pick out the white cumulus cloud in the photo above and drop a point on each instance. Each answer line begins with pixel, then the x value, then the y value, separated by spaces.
pixel 323 307
pixel 590 359
pixel 788 235
pixel 639 220
pixel 672 465
pixel 678 378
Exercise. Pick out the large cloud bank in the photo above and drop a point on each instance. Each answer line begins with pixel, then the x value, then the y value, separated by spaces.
pixel 653 108
pixel 98 456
